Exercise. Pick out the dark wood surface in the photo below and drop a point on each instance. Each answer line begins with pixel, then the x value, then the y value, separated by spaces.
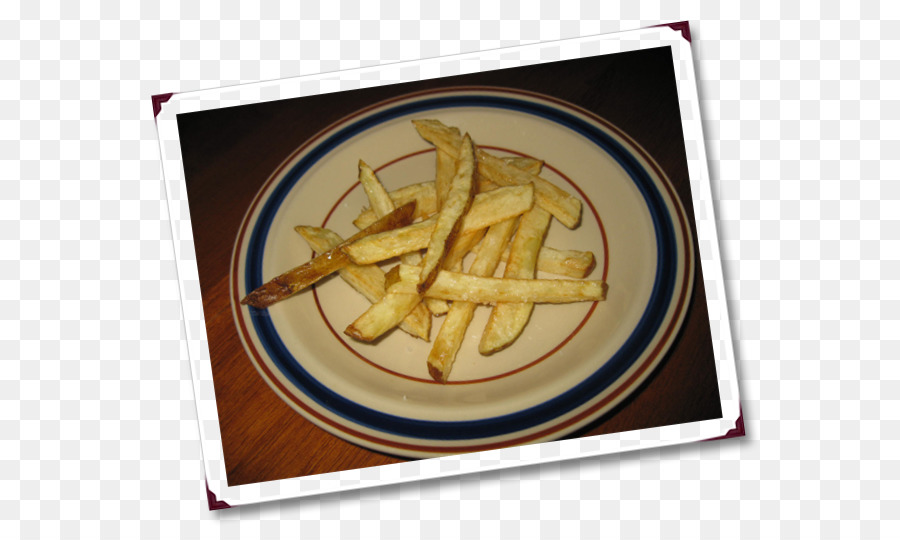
pixel 229 153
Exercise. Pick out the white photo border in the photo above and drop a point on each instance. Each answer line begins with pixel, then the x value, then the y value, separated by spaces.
pixel 675 36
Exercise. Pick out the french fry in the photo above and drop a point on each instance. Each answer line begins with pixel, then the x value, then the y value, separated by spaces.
pixel 465 242
pixel 459 199
pixel 387 313
pixel 423 194
pixel 487 208
pixel 441 136
pixel 507 321
pixel 368 280
pixel 297 279
pixel 564 262
pixel 383 247
pixel 384 315
pixel 447 139
pixel 391 277
pixel 379 199
pixel 457 286
pixel 527 164
pixel 453 330
pixel 436 306
pixel 445 170
pixel 564 207
pixel 381 203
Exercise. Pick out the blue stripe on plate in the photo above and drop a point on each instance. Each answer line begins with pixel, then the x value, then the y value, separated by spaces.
pixel 597 382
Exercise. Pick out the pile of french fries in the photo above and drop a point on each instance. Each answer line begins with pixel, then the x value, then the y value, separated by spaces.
pixel 498 209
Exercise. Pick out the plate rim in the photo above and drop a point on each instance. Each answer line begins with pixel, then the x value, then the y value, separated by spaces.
pixel 622 385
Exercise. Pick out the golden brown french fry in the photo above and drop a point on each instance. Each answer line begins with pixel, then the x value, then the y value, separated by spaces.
pixel 383 315
pixel 387 313
pixel 507 321
pixel 564 207
pixel 383 247
pixel 368 280
pixel 297 279
pixel 527 164
pixel 453 330
pixel 459 199
pixel 454 260
pixel 423 194
pixel 444 137
pixel 445 170
pixel 487 208
pixel 456 286
pixel 447 139
pixel 379 199
pixel 381 203
pixel 464 243
pixel 564 262
pixel 436 306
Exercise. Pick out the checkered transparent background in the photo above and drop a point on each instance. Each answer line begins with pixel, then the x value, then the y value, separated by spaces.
pixel 98 430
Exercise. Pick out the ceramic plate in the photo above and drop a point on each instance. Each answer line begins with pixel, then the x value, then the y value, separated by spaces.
pixel 572 363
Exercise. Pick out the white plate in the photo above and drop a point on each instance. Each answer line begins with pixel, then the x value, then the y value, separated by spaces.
pixel 572 363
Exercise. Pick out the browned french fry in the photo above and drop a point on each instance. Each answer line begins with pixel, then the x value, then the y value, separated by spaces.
pixel 487 208
pixel 436 306
pixel 456 286
pixel 464 243
pixel 297 279
pixel 453 330
pixel 507 321
pixel 564 262
pixel 383 247
pixel 459 199
pixel 564 207
pixel 383 315
pixel 387 313
pixel 445 170
pixel 368 280
pixel 423 194
pixel 447 139
pixel 379 199
pixel 444 137
pixel 527 164
pixel 381 203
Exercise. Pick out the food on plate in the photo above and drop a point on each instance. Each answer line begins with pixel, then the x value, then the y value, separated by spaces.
pixel 487 208
pixel 368 280
pixel 508 320
pixel 449 218
pixel 492 290
pixel 301 277
pixel 453 330
pixel 423 194
pixel 564 206
pixel 491 208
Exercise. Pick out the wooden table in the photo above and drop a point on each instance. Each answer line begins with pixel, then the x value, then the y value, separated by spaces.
pixel 229 153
